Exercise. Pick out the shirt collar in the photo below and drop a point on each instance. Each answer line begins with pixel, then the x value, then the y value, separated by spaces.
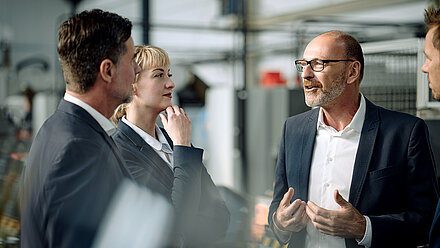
pixel 356 123
pixel 161 144
pixel 107 124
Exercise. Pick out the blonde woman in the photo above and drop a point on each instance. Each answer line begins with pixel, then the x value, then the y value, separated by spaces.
pixel 165 161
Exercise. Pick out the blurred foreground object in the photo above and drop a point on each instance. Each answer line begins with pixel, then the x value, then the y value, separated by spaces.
pixel 136 218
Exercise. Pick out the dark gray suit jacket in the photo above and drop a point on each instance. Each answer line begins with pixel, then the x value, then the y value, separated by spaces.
pixel 71 173
pixel 201 211
pixel 393 179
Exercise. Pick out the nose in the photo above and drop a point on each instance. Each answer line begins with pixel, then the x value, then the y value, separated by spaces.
pixel 425 66
pixel 170 84
pixel 307 72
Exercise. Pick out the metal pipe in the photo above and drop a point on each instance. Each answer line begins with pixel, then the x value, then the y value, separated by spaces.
pixel 146 21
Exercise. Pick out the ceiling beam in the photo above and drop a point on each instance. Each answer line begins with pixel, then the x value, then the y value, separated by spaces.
pixel 322 10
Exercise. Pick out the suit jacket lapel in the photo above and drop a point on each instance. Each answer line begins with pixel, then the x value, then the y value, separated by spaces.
pixel 161 169
pixel 170 142
pixel 81 113
pixel 364 152
pixel 308 141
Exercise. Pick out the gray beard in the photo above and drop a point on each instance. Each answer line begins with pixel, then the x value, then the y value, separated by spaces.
pixel 323 98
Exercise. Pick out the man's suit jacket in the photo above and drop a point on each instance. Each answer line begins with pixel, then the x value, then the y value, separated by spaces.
pixel 71 173
pixel 393 180
pixel 201 211
pixel 434 235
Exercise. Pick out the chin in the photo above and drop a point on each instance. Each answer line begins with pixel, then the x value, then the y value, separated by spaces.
pixel 436 95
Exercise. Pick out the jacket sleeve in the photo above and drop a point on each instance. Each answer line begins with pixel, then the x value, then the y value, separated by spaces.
pixel 201 212
pixel 281 186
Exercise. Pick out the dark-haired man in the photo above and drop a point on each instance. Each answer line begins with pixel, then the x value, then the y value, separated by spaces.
pixel 74 167
pixel 350 173
pixel 432 67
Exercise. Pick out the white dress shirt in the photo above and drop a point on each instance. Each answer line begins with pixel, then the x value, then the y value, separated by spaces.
pixel 107 124
pixel 332 166
pixel 159 146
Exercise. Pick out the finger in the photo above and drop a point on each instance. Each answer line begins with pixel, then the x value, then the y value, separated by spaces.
pixel 312 206
pixel 322 228
pixel 305 218
pixel 315 212
pixel 310 212
pixel 296 216
pixel 169 110
pixel 176 109
pixel 164 119
pixel 340 200
pixel 299 211
pixel 293 208
pixel 286 198
pixel 318 215
pixel 182 111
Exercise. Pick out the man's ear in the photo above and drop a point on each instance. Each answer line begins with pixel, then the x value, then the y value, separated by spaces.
pixel 107 70
pixel 354 72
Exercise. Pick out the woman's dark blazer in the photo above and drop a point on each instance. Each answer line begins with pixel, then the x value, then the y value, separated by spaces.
pixel 201 212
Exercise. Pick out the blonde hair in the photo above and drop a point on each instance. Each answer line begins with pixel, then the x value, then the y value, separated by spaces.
pixel 146 57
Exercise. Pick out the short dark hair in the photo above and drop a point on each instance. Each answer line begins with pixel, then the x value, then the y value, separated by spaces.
pixel 432 20
pixel 85 40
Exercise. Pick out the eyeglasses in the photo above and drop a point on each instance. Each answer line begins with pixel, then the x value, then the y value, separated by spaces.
pixel 316 64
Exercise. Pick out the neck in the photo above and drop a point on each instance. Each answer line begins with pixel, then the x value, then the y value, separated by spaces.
pixel 143 118
pixel 340 113
pixel 97 100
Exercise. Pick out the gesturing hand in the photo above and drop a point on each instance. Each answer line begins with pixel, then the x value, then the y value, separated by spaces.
pixel 346 222
pixel 177 125
pixel 291 216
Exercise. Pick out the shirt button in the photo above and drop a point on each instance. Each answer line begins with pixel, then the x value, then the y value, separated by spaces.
pixel 330 159
pixel 326 185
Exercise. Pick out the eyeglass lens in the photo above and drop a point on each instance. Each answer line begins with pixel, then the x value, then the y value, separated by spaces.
pixel 316 65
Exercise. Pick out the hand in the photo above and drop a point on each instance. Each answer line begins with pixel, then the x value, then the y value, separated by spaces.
pixel 346 222
pixel 177 125
pixel 291 216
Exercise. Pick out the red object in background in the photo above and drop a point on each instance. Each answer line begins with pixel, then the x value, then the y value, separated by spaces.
pixel 272 79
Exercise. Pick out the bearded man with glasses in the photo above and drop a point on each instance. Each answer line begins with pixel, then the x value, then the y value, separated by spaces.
pixel 350 173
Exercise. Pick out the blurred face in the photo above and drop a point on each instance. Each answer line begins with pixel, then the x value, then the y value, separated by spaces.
pixel 126 70
pixel 432 65
pixel 324 87
pixel 153 88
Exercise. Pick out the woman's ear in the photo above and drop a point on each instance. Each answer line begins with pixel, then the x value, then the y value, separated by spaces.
pixel 107 70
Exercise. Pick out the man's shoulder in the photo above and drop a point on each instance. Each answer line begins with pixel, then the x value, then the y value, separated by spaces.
pixel 396 117
pixel 62 129
pixel 311 114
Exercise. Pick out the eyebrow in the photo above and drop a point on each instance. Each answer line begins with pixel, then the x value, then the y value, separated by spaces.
pixel 158 69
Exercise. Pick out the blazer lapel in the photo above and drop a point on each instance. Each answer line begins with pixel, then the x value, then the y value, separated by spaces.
pixel 81 113
pixel 364 152
pixel 170 142
pixel 308 141
pixel 153 160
